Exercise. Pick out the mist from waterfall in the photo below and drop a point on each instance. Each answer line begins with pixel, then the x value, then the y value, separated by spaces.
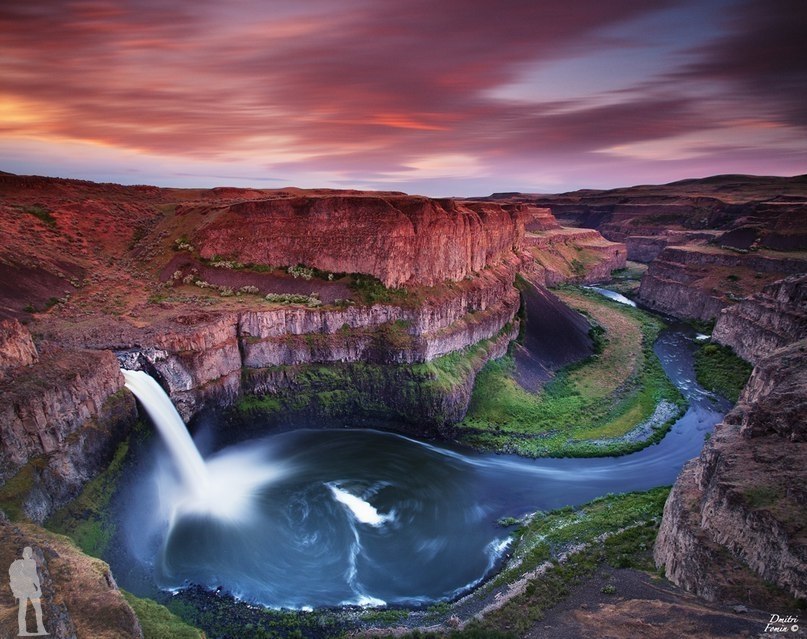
pixel 222 486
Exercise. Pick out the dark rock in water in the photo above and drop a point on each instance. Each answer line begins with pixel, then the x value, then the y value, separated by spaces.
pixel 554 336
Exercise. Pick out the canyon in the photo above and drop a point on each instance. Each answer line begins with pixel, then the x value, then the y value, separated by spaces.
pixel 347 306
pixel 373 285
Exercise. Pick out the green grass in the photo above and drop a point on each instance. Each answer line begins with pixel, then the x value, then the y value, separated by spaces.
pixel 545 535
pixel 370 290
pixel 604 397
pixel 42 214
pixel 85 519
pixel 158 622
pixel 631 521
pixel 719 370
pixel 258 404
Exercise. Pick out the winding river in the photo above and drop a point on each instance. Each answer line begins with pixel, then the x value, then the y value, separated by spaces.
pixel 338 517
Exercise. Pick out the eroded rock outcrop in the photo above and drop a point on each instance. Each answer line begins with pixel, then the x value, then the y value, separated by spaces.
pixel 698 282
pixel 398 239
pixel 16 346
pixel 566 255
pixel 760 324
pixel 60 422
pixel 740 507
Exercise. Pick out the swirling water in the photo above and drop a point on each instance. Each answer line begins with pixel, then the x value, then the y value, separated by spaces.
pixel 334 517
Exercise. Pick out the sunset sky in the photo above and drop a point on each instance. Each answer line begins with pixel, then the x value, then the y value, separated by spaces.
pixel 440 97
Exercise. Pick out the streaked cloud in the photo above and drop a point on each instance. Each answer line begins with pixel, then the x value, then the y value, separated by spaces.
pixel 413 95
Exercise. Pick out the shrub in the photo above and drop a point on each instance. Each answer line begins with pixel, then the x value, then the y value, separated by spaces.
pixel 301 271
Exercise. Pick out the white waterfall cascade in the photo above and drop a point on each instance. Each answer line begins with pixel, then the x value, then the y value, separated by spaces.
pixel 158 405
pixel 222 486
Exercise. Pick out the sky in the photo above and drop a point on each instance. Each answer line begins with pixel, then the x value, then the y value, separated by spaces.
pixel 437 97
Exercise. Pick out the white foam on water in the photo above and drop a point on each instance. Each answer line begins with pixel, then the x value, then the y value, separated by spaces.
pixel 363 511
pixel 612 295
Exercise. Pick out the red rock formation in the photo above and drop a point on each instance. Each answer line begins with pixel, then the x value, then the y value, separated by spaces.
pixel 16 346
pixel 398 239
pixel 697 282
pixel 580 256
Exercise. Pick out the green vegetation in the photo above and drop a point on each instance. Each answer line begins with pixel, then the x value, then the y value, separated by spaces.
pixel 602 398
pixel 762 496
pixel 719 370
pixel 220 616
pixel 258 404
pixel 385 617
pixel 17 488
pixel 158 622
pixel 370 290
pixel 618 530
pixel 41 213
pixel 85 519
pixel 546 535
pixel 293 298
pixel 301 271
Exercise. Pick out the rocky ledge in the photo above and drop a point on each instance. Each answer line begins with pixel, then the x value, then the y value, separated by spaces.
pixel 761 323
pixel 79 595
pixel 697 282
pixel 735 517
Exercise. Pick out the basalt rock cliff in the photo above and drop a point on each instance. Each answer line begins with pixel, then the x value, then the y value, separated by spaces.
pixel 398 239
pixel 764 322
pixel 736 514
pixel 698 282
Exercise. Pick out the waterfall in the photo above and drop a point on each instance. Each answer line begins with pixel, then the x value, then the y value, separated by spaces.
pixel 158 405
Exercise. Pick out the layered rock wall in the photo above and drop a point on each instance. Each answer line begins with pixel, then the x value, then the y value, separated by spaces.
pixel 60 422
pixel 742 503
pixel 698 282
pixel 766 321
pixel 398 239
pixel 199 357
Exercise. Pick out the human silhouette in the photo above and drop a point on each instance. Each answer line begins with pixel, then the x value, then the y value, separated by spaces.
pixel 25 586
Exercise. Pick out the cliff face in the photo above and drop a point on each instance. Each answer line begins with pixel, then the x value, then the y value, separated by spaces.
pixel 421 400
pixel 739 509
pixel 577 256
pixel 398 239
pixel 60 422
pixel 199 357
pixel 16 346
pixel 698 282
pixel 766 321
